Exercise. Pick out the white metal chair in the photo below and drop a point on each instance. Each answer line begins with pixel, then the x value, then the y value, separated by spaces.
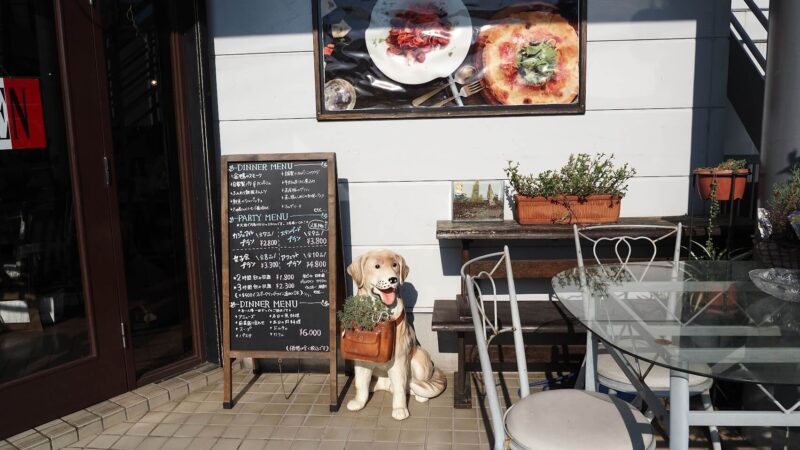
pixel 609 373
pixel 565 419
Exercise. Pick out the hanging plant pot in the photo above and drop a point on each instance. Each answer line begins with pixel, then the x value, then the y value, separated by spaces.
pixel 376 345
pixel 724 177
pixel 567 209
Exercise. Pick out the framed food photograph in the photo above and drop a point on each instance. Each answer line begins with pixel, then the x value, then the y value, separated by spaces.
pixel 444 58
pixel 477 201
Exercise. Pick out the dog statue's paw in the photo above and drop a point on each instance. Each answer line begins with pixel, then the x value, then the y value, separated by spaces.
pixel 355 405
pixel 400 413
pixel 421 399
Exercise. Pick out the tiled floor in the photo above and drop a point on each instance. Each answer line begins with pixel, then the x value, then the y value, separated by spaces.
pixel 264 418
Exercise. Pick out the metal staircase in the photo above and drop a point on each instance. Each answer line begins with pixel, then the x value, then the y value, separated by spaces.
pixel 747 63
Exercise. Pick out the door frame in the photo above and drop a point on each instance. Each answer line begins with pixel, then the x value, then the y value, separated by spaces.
pixel 177 11
pixel 94 235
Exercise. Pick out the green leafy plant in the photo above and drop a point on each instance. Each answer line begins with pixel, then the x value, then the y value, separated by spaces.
pixel 362 312
pixel 583 175
pixel 785 200
pixel 728 164
pixel 708 249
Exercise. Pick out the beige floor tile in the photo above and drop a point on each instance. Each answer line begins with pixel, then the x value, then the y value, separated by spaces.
pixel 293 421
pixel 281 432
pixel 128 442
pixel 227 444
pixel 439 423
pixel 441 411
pixel 202 443
pixel 412 437
pixel 387 435
pixel 85 422
pixel 199 418
pixel 60 433
pixel 110 413
pixel 253 444
pixel 440 437
pixel 361 435
pixel 177 443
pixel 304 445
pixel 141 429
pixel 235 432
pixel 274 409
pixel 307 433
pixel 414 423
pixel 188 431
pixel 214 431
pixel 153 417
pixel 465 438
pixel 268 419
pixel 335 434
pixel 221 419
pixel 120 428
pixel 165 429
pixel 152 443
pixel 260 432
pixel 244 419
pixel 103 441
pixel 276 445
pixel 332 445
pixel 176 417
pixel 317 421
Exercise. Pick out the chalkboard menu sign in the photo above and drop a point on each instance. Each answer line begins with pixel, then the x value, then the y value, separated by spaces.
pixel 280 257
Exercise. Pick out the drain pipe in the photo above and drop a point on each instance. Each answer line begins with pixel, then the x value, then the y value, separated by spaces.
pixel 780 141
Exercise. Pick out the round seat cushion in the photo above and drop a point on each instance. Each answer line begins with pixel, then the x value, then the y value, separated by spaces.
pixel 657 378
pixel 570 419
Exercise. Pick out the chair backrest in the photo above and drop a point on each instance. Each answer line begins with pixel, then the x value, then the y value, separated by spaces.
pixel 486 329
pixel 623 244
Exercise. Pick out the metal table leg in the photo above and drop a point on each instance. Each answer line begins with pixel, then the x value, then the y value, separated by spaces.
pixel 678 410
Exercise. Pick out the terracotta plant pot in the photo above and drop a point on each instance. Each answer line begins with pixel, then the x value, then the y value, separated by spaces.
pixel 706 176
pixel 567 210
pixel 376 345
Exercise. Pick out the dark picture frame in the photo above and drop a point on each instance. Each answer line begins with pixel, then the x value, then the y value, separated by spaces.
pixel 476 106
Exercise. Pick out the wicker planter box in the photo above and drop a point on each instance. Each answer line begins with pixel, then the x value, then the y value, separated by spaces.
pixel 545 210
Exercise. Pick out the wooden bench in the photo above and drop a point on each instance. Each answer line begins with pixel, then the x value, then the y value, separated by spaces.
pixel 551 329
pixel 553 341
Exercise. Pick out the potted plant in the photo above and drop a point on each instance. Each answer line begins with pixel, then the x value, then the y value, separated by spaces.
pixel 588 189
pixel 367 329
pixel 779 230
pixel 731 171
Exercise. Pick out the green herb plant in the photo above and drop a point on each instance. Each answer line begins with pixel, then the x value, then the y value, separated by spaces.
pixel 362 312
pixel 785 200
pixel 728 164
pixel 582 176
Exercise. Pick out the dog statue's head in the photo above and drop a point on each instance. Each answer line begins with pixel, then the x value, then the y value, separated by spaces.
pixel 379 272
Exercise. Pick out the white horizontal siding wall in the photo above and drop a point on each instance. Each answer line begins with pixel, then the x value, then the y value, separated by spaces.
pixel 655 98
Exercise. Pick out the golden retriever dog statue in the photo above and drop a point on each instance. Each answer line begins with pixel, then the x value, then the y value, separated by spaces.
pixel 380 273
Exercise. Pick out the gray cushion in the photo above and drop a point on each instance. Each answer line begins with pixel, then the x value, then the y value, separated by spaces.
pixel 657 379
pixel 570 419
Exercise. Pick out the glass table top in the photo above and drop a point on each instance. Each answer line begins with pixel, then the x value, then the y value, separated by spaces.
pixel 703 317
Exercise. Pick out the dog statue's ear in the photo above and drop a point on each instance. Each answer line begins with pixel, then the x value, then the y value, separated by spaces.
pixel 356 270
pixel 403 269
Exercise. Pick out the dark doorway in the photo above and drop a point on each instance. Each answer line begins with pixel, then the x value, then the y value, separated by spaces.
pixel 148 179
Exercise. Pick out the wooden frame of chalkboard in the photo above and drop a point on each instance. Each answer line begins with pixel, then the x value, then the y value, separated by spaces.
pixel 285 164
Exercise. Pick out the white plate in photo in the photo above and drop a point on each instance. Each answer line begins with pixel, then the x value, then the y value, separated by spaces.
pixel 439 62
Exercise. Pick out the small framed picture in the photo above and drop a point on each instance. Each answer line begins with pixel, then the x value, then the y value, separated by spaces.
pixel 477 201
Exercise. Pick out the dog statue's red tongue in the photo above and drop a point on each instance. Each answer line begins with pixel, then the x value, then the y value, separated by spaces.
pixel 387 295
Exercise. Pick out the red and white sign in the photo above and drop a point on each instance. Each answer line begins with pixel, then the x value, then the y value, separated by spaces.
pixel 21 120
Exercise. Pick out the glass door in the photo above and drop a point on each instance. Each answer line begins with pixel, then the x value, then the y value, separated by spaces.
pixel 144 111
pixel 61 340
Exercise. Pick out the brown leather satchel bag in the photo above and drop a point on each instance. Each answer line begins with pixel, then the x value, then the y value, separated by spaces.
pixel 376 345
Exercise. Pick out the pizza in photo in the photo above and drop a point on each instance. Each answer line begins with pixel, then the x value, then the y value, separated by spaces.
pixel 529 58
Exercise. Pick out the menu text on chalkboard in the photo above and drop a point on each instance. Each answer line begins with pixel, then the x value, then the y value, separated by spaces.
pixel 280 254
